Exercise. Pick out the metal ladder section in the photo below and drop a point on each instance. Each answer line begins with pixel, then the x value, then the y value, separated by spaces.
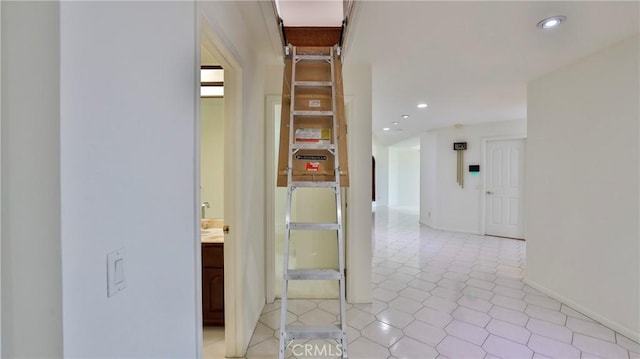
pixel 288 333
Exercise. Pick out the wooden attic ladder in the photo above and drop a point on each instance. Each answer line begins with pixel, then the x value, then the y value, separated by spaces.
pixel 313 154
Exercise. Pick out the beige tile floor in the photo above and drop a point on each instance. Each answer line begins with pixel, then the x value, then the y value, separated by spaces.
pixel 449 295
pixel 213 342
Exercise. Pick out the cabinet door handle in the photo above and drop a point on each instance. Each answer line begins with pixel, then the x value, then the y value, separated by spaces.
pixel 489 192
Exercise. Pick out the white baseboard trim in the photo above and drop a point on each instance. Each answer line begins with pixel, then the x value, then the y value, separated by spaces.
pixel 457 230
pixel 586 311
pixel 361 299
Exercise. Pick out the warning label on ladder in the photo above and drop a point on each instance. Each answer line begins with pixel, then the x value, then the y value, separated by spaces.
pixel 313 166
pixel 311 157
pixel 313 135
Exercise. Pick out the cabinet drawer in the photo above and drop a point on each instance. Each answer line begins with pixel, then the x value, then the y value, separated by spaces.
pixel 213 255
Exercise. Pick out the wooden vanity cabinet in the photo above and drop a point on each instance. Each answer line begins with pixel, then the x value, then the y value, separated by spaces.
pixel 213 284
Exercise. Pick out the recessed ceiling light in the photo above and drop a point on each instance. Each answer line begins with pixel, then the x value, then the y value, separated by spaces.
pixel 396 123
pixel 405 116
pixel 551 22
pixel 422 105
pixel 386 129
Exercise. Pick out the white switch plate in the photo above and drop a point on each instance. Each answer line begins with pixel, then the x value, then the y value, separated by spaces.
pixel 116 279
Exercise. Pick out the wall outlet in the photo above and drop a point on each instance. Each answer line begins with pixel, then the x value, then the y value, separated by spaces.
pixel 116 280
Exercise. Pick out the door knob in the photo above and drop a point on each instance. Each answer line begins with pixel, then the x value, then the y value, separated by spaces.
pixel 225 229
pixel 489 192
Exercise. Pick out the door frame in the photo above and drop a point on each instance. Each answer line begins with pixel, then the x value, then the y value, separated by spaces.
pixel 234 261
pixel 269 203
pixel 483 195
pixel 270 183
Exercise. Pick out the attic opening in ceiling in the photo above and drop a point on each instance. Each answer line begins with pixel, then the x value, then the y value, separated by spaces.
pixel 310 13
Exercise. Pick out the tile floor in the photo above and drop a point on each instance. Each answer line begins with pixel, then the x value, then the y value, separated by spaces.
pixel 213 342
pixel 449 295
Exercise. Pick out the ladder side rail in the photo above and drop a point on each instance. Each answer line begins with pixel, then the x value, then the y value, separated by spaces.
pixel 338 195
pixel 287 236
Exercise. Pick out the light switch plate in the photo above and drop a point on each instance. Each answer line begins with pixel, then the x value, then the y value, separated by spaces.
pixel 116 279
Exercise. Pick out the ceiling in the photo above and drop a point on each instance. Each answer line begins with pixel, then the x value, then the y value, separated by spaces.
pixel 470 61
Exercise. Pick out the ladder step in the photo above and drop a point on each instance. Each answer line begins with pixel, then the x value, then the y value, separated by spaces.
pixel 313 274
pixel 314 83
pixel 313 113
pixel 311 184
pixel 313 332
pixel 312 57
pixel 314 226
pixel 312 146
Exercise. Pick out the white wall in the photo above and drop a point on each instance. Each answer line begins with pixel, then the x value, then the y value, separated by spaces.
pixel 582 186
pixel 127 165
pixel 212 156
pixel 128 116
pixel 357 85
pixel 451 207
pixel 428 179
pixel 381 154
pixel 31 259
pixel 404 177
pixel 0 179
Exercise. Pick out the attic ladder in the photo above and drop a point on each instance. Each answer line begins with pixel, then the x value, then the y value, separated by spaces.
pixel 314 142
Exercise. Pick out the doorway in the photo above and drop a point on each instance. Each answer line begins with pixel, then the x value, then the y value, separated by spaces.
pixel 212 203
pixel 220 268
pixel 504 187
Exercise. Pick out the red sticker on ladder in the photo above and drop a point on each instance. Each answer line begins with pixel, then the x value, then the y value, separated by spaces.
pixel 313 166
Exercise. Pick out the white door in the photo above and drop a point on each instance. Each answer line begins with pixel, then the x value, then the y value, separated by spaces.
pixel 504 188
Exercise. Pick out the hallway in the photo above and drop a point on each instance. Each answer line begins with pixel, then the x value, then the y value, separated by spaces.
pixel 449 295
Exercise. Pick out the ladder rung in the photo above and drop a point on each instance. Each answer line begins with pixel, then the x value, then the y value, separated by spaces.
pixel 313 113
pixel 313 146
pixel 321 184
pixel 294 332
pixel 314 226
pixel 313 57
pixel 314 83
pixel 313 274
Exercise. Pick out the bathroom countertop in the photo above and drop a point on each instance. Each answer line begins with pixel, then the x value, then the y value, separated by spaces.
pixel 212 235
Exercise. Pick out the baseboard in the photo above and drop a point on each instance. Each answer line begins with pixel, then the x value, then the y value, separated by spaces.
pixel 456 230
pixel 635 336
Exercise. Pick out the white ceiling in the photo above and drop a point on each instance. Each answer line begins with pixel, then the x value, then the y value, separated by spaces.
pixel 470 61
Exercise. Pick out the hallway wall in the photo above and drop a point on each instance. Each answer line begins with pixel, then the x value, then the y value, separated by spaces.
pixel 381 153
pixel 128 116
pixel 582 186
pixel 444 204
pixel 404 177
pixel 31 257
